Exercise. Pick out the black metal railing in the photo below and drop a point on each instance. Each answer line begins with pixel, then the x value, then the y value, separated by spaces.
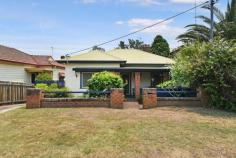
pixel 176 92
pixel 77 94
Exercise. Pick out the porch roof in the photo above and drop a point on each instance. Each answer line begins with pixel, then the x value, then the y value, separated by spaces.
pixel 121 69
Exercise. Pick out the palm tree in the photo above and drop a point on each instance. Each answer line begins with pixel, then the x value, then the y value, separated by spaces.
pixel 224 26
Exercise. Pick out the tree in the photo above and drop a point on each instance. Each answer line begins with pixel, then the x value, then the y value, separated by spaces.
pixel 133 44
pixel 211 65
pixel 224 26
pixel 98 48
pixel 160 46
pixel 122 45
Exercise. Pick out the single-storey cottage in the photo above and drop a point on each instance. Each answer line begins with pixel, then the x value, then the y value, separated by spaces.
pixel 17 66
pixel 139 69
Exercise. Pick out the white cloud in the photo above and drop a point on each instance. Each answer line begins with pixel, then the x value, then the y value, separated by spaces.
pixel 143 2
pixel 164 28
pixel 119 22
pixel 187 1
pixel 84 1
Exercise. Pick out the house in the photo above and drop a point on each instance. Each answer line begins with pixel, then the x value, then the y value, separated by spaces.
pixel 139 69
pixel 17 66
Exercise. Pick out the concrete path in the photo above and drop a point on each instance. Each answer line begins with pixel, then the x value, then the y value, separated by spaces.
pixel 6 108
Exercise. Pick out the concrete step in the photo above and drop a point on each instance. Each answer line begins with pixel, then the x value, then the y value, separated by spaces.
pixel 131 105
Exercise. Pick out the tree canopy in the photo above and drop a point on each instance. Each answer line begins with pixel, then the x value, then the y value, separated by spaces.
pixel 160 46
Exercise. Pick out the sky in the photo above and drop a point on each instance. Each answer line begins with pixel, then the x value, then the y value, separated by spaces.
pixel 35 26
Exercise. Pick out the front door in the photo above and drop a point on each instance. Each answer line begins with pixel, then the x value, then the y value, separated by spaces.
pixel 127 81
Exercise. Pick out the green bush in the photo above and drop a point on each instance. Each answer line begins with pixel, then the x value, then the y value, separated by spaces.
pixel 168 84
pixel 211 66
pixel 103 81
pixel 41 86
pixel 43 77
pixel 54 88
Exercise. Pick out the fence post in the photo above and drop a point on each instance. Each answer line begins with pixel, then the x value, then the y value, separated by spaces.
pixel 33 98
pixel 117 98
pixel 149 98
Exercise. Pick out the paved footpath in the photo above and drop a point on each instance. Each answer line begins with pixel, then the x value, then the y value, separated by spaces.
pixel 6 108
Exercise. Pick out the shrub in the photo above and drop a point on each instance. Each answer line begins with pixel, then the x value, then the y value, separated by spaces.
pixel 168 84
pixel 41 86
pixel 103 81
pixel 211 66
pixel 43 77
pixel 60 92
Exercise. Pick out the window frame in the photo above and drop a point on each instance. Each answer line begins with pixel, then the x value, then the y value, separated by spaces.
pixel 82 80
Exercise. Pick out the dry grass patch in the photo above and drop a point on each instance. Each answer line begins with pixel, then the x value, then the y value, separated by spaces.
pixel 99 132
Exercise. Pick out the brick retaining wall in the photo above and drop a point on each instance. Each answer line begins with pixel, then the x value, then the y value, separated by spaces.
pixel 74 102
pixel 178 101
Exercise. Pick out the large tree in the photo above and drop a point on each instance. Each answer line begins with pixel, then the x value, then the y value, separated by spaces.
pixel 160 46
pixel 224 25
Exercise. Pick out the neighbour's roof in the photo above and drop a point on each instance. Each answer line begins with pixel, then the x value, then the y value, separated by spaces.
pixel 129 56
pixel 17 56
pixel 14 55
pixel 44 60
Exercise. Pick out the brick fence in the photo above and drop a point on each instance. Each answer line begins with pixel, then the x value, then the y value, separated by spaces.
pixel 149 98
pixel 35 99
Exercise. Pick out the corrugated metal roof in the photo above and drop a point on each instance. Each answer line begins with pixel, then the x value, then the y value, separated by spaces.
pixel 94 56
pixel 130 56
pixel 134 56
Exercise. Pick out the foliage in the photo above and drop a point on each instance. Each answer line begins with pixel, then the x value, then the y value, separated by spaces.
pixel 160 46
pixel 103 81
pixel 168 84
pixel 98 48
pixel 133 44
pixel 224 25
pixel 212 66
pixel 60 92
pixel 41 86
pixel 43 77
pixel 122 45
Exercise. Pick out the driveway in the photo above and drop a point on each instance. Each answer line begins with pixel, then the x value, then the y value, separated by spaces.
pixel 6 108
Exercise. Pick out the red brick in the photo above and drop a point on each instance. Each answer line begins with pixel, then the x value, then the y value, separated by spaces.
pixel 149 98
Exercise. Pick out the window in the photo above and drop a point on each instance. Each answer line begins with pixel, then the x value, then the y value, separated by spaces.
pixel 84 78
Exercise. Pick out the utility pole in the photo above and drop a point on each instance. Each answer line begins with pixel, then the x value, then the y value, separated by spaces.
pixel 212 2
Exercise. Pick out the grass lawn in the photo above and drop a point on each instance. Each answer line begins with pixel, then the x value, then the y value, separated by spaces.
pixel 98 132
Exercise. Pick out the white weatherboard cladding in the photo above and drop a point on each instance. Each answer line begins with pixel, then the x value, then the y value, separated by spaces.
pixel 13 73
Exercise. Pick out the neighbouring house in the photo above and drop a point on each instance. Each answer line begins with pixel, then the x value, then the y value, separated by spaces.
pixel 139 69
pixel 17 66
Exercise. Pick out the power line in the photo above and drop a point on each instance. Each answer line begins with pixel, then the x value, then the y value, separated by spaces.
pixel 134 32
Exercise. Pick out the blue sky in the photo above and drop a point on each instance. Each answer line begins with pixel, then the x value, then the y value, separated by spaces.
pixel 34 26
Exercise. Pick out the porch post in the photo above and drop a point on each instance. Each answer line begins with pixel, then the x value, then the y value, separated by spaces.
pixel 137 85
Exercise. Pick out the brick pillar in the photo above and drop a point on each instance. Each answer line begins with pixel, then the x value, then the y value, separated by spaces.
pixel 149 98
pixel 137 85
pixel 33 98
pixel 117 98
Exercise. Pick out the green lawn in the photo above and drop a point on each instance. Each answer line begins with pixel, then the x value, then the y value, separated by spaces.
pixel 99 132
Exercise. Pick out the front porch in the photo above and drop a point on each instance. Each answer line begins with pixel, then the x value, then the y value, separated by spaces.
pixel 135 79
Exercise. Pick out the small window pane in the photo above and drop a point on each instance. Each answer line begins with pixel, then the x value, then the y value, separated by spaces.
pixel 85 78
